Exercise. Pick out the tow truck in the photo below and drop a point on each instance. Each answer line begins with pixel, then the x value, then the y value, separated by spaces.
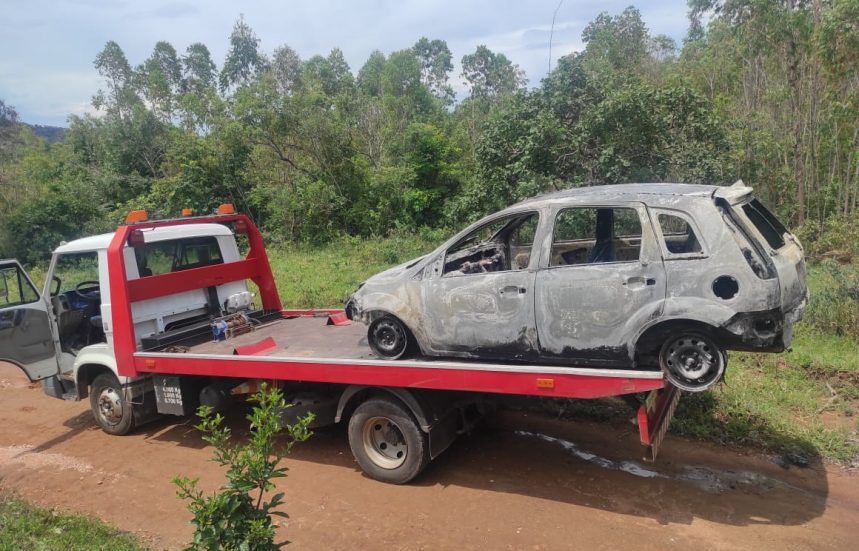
pixel 158 317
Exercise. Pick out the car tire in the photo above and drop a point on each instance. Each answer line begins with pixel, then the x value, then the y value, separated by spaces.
pixel 389 338
pixel 387 441
pixel 113 413
pixel 692 362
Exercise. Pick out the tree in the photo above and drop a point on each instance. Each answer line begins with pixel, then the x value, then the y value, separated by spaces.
pixel 9 130
pixel 330 75
pixel 370 75
pixel 620 43
pixel 436 64
pixel 199 101
pixel 491 75
pixel 286 67
pixel 113 66
pixel 199 72
pixel 160 80
pixel 244 60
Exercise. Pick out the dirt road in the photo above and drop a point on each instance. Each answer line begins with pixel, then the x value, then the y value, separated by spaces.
pixel 524 483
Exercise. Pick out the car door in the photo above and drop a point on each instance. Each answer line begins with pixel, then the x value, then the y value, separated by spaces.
pixel 25 331
pixel 481 301
pixel 601 278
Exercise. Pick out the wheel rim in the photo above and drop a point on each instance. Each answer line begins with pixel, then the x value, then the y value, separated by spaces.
pixel 384 443
pixel 389 337
pixel 110 406
pixel 693 362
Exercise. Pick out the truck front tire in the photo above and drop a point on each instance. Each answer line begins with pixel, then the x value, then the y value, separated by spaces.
pixel 387 441
pixel 111 410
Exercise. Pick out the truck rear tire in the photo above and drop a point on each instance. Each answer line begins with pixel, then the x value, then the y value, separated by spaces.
pixel 111 410
pixel 387 441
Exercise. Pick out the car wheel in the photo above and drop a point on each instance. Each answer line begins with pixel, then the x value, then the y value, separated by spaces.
pixel 387 442
pixel 389 338
pixel 692 362
pixel 111 410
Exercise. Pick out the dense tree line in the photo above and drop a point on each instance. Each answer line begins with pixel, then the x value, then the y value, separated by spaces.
pixel 767 91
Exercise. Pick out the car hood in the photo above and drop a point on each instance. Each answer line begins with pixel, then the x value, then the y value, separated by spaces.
pixel 395 272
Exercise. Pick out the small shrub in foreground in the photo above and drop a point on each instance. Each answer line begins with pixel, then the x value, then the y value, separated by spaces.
pixel 237 516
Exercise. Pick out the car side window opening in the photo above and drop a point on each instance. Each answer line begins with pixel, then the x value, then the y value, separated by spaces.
pixel 595 235
pixel 15 288
pixel 499 246
pixel 678 234
pixel 163 257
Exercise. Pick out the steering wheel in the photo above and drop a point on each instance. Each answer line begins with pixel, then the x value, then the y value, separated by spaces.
pixel 92 294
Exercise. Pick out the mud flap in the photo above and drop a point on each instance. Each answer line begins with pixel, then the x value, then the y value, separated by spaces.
pixel 655 416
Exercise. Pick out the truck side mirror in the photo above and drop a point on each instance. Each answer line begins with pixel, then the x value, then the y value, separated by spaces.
pixel 56 284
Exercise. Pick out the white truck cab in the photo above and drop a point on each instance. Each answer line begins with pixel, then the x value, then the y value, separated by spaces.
pixel 63 335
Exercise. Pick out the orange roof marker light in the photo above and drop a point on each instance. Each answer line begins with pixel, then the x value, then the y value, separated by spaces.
pixel 136 216
pixel 187 212
pixel 226 208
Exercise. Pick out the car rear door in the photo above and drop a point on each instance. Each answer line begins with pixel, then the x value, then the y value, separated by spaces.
pixel 601 277
pixel 25 327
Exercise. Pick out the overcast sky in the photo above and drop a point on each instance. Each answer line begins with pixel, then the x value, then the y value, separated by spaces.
pixel 47 47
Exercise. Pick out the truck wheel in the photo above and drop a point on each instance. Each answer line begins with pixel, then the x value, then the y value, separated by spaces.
pixel 389 338
pixel 387 441
pixel 692 362
pixel 111 411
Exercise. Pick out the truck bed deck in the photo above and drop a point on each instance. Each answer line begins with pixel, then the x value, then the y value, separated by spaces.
pixel 304 336
pixel 306 349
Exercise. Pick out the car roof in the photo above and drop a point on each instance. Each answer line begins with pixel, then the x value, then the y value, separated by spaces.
pixel 654 193
pixel 626 192
pixel 151 235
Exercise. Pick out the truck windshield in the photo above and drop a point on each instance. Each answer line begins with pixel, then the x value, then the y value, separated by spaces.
pixel 766 223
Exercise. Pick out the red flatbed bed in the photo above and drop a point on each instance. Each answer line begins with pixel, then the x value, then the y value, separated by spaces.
pixel 309 350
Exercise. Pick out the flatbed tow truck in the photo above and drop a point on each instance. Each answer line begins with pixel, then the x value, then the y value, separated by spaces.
pixel 401 414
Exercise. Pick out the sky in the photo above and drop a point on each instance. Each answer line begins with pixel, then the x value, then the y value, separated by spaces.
pixel 47 47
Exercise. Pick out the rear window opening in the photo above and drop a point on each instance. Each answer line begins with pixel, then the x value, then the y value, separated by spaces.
pixel 766 223
pixel 164 257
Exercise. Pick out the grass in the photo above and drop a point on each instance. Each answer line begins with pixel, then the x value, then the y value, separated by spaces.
pixel 324 276
pixel 26 527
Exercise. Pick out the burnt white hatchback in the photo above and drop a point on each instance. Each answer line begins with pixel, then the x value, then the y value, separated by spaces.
pixel 643 276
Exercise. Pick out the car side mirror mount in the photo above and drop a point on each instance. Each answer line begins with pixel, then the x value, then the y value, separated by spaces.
pixel 56 284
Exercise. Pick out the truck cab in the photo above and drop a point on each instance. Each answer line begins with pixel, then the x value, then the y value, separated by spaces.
pixel 63 334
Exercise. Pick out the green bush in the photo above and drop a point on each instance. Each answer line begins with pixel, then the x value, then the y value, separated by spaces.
pixel 237 516
pixel 834 304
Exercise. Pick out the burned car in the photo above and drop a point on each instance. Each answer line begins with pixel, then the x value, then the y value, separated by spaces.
pixel 641 276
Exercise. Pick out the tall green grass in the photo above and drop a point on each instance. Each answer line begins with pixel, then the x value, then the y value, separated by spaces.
pixel 324 276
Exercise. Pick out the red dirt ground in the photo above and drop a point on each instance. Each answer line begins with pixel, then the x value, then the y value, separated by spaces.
pixel 525 482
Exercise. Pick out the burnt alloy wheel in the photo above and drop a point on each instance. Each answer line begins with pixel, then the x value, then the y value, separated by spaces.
pixel 692 362
pixel 389 338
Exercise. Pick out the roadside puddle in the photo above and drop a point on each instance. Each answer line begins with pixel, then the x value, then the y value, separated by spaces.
pixel 705 478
